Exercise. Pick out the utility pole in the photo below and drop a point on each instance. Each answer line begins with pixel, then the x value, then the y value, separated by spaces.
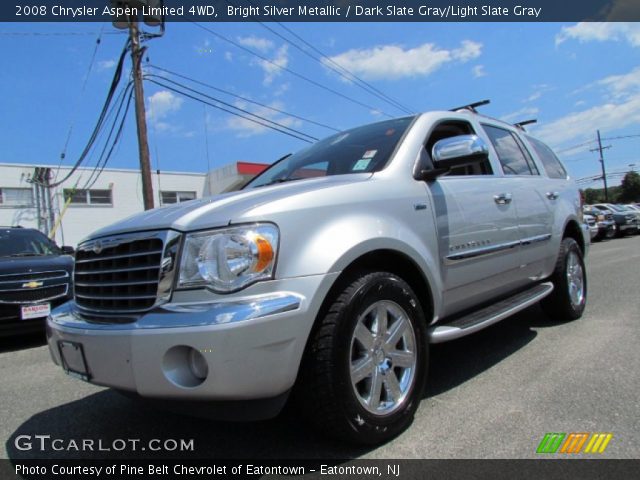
pixel 604 173
pixel 141 121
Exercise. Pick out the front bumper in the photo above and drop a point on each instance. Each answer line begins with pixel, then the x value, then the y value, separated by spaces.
pixel 252 345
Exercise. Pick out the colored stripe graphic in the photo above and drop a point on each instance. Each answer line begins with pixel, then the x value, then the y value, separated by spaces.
pixel 574 442
pixel 598 443
pixel 550 442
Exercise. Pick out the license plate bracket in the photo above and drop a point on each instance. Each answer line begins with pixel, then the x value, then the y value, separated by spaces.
pixel 73 360
pixel 28 312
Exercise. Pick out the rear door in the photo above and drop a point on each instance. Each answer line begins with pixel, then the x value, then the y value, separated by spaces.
pixel 533 195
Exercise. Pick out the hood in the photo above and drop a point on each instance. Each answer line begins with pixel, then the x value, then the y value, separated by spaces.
pixel 221 210
pixel 10 265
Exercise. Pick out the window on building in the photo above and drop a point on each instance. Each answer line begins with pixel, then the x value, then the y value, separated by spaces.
pixel 16 197
pixel 514 160
pixel 176 197
pixel 88 197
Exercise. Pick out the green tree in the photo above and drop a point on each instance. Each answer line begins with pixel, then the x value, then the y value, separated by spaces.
pixel 592 195
pixel 630 188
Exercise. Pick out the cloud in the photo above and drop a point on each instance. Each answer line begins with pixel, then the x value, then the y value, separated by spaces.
pixel 228 56
pixel 261 44
pixel 620 108
pixel 468 51
pixel 621 86
pixel 274 68
pixel 522 114
pixel 282 89
pixel 538 91
pixel 601 32
pixel 106 64
pixel 394 62
pixel 583 125
pixel 478 71
pixel 246 128
pixel 159 106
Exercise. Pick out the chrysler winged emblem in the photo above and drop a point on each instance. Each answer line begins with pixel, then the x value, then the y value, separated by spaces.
pixel 97 247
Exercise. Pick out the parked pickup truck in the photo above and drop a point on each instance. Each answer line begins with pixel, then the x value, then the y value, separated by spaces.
pixel 329 274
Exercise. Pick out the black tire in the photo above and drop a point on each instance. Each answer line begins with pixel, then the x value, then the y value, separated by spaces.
pixel 326 394
pixel 561 304
pixel 611 233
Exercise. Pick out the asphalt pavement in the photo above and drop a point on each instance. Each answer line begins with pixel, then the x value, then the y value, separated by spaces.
pixel 494 394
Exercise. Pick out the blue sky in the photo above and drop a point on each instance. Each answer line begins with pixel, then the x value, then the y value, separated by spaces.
pixel 574 78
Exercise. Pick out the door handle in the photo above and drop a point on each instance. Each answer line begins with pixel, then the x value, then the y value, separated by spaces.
pixel 553 195
pixel 502 198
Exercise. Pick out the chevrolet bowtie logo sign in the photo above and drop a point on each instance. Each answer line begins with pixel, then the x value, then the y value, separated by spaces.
pixel 574 442
pixel 32 284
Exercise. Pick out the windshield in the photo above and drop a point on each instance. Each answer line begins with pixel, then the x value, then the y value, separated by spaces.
pixel 364 149
pixel 17 242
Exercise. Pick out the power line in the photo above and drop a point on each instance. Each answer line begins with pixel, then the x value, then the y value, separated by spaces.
pixel 57 34
pixel 232 106
pixel 103 159
pixel 78 97
pixel 248 100
pixel 296 74
pixel 621 137
pixel 337 68
pixel 99 124
pixel 573 147
pixel 329 59
pixel 272 127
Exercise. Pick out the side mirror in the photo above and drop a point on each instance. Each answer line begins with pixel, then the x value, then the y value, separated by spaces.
pixel 459 151
pixel 67 250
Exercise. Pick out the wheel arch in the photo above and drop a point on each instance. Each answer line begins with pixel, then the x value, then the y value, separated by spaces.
pixel 386 260
pixel 572 230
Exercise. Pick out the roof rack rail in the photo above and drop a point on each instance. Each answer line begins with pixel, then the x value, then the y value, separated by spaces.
pixel 11 226
pixel 472 106
pixel 521 125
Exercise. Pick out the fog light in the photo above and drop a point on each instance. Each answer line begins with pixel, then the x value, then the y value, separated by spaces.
pixel 198 364
pixel 185 366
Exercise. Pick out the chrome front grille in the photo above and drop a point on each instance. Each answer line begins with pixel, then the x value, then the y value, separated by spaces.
pixel 127 273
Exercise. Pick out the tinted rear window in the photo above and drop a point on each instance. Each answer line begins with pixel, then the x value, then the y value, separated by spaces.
pixel 551 164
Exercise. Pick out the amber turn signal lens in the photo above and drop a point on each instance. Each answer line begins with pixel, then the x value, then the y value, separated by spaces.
pixel 264 253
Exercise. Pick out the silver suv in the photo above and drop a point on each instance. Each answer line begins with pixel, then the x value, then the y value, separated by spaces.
pixel 329 274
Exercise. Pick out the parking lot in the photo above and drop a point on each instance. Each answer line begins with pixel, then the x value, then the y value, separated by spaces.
pixel 491 395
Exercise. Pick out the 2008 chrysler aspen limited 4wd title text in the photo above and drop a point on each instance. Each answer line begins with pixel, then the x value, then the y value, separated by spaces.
pixel 329 274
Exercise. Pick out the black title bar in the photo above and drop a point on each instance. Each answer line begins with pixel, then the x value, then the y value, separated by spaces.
pixel 321 10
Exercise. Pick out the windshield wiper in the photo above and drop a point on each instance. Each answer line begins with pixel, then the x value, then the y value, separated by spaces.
pixel 26 254
pixel 279 180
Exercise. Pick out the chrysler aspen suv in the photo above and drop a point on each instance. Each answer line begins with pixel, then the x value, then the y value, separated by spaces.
pixel 326 278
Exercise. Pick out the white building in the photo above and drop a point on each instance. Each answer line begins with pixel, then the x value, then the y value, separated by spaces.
pixel 116 194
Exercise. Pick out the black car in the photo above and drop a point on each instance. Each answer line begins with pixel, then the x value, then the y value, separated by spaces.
pixel 35 277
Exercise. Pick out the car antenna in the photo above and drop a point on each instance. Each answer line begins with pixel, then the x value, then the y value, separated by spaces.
pixel 521 125
pixel 472 106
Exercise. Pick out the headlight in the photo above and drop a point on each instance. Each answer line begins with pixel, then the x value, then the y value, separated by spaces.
pixel 229 259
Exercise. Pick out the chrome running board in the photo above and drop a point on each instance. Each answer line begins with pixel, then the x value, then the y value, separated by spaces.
pixel 487 316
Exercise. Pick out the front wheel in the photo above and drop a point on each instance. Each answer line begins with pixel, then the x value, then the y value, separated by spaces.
pixel 365 366
pixel 569 297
